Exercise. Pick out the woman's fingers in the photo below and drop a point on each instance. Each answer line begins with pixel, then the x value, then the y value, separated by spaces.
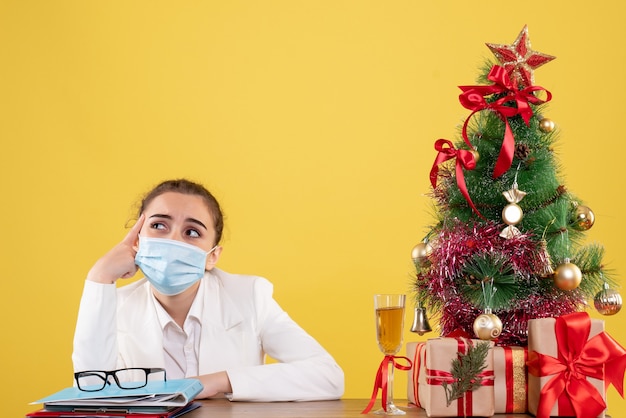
pixel 133 234
pixel 119 262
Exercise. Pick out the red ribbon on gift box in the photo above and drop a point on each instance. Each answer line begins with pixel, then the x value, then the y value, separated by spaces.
pixel 417 365
pixel 381 379
pixel 510 379
pixel 439 377
pixel 514 102
pixel 579 357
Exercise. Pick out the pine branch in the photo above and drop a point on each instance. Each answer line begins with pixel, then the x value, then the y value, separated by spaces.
pixel 490 270
pixel 465 371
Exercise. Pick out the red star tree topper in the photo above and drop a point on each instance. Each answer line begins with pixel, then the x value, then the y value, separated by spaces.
pixel 519 60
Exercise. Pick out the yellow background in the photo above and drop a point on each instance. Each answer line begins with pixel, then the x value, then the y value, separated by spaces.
pixel 312 121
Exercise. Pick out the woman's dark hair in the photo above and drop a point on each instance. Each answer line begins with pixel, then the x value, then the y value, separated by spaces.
pixel 185 186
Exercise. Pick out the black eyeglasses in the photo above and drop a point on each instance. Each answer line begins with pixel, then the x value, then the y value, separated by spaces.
pixel 131 378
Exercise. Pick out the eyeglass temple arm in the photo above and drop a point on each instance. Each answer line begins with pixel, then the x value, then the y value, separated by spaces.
pixel 157 370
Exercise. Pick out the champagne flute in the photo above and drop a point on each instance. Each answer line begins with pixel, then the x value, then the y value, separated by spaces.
pixel 389 325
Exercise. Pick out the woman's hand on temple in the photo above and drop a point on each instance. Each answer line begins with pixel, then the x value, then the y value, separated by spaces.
pixel 119 262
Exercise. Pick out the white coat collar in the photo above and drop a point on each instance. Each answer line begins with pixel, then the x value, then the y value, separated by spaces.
pixel 219 308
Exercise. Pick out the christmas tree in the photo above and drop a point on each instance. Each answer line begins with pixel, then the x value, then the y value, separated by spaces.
pixel 507 244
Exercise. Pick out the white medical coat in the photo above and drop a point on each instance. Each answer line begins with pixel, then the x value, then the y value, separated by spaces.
pixel 118 328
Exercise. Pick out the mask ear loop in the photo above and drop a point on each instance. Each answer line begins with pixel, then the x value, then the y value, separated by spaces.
pixel 208 254
pixel 136 243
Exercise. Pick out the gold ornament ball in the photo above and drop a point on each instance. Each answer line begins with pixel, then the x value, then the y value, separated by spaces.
pixel 546 125
pixel 421 251
pixel 476 155
pixel 583 218
pixel 567 276
pixel 608 302
pixel 487 326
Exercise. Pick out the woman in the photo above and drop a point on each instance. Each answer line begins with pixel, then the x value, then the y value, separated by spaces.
pixel 191 318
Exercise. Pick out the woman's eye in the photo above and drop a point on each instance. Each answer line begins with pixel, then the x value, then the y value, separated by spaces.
pixel 157 225
pixel 193 233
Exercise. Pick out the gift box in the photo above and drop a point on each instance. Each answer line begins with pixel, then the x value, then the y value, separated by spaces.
pixel 510 379
pixel 570 360
pixel 432 362
pixel 415 352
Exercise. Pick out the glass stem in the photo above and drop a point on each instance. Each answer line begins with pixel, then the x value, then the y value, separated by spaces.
pixel 390 387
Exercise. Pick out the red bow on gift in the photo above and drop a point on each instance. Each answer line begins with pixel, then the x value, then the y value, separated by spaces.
pixel 464 159
pixel 473 98
pixel 600 357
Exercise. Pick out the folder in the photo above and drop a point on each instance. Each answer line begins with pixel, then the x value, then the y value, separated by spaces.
pixel 173 413
pixel 156 397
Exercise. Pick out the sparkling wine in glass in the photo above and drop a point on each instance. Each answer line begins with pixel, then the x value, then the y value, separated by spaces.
pixel 389 328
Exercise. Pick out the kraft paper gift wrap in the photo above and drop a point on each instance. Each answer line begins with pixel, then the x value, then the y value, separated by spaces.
pixel 571 360
pixel 510 382
pixel 415 352
pixel 432 363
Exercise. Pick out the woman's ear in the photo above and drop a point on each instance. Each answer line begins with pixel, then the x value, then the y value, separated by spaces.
pixel 212 257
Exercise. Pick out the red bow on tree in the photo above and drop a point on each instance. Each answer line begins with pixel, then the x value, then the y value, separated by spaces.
pixel 464 159
pixel 514 102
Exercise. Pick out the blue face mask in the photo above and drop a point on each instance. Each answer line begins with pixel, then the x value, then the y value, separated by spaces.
pixel 170 266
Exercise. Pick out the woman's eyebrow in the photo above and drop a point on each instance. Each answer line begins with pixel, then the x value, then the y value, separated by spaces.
pixel 159 215
pixel 195 221
pixel 192 220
